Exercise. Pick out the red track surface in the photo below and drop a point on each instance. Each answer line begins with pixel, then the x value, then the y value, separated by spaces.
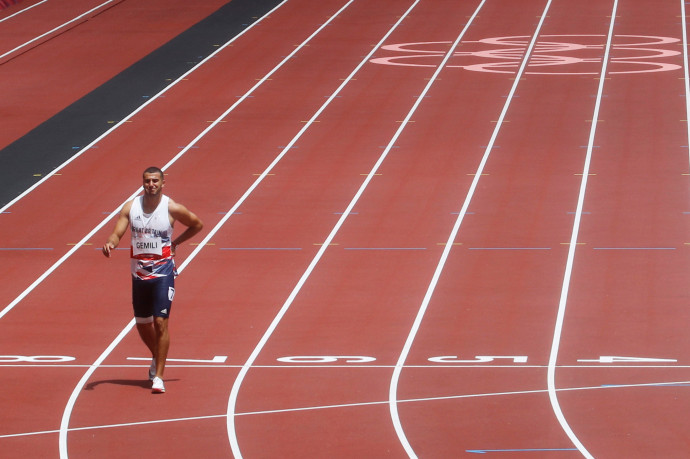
pixel 69 59
pixel 263 287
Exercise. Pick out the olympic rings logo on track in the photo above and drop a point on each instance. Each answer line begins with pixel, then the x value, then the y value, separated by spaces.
pixel 552 54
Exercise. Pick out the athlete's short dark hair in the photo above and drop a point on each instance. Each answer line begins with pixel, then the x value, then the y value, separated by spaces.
pixel 154 170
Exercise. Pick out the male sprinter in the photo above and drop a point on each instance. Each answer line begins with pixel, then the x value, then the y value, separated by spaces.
pixel 151 218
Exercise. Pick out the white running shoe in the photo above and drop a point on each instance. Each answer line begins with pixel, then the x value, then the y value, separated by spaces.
pixel 152 370
pixel 158 387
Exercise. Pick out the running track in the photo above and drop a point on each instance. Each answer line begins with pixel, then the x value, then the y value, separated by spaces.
pixel 433 229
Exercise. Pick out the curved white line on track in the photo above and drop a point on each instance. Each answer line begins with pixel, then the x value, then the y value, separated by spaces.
pixel 232 401
pixel 654 385
pixel 64 425
pixel 553 358
pixel 23 11
pixel 56 28
pixel 456 228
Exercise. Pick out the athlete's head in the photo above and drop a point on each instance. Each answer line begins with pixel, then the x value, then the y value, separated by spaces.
pixel 155 170
pixel 153 179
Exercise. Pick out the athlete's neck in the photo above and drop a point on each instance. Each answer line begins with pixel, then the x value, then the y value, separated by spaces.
pixel 150 202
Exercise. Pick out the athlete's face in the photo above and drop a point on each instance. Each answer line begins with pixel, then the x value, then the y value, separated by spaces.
pixel 153 184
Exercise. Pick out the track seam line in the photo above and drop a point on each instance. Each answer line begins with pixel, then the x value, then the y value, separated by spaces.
pixel 453 234
pixel 140 108
pixel 234 444
pixel 22 11
pixel 2 56
pixel 558 329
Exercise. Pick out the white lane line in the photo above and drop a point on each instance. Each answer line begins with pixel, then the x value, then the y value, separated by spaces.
pixel 553 357
pixel 86 238
pixel 139 109
pixel 393 403
pixel 22 11
pixel 61 26
pixel 685 70
pixel 232 401
pixel 464 396
pixel 64 425
pixel 352 405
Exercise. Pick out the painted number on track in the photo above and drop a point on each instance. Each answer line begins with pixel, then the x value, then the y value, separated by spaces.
pixel 478 359
pixel 35 358
pixel 616 359
pixel 326 359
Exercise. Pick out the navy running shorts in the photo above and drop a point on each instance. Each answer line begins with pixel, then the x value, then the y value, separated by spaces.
pixel 152 297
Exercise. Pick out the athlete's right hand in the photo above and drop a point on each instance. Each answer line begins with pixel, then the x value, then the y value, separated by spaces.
pixel 107 247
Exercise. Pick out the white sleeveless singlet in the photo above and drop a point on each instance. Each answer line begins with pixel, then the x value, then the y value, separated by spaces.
pixel 151 241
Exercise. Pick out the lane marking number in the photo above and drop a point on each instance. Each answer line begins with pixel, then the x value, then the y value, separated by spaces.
pixel 316 359
pixel 478 359
pixel 216 359
pixel 35 358
pixel 615 359
pixel 326 359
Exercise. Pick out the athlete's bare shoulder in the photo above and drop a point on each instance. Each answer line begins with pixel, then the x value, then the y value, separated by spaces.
pixel 126 207
pixel 179 212
pixel 176 209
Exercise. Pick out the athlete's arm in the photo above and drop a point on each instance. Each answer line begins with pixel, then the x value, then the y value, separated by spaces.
pixel 119 231
pixel 193 223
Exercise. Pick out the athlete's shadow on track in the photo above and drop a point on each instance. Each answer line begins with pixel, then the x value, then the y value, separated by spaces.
pixel 144 384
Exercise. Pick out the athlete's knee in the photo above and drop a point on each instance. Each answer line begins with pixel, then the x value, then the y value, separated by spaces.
pixel 161 324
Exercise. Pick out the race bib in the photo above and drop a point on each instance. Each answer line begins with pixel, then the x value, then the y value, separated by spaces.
pixel 147 246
